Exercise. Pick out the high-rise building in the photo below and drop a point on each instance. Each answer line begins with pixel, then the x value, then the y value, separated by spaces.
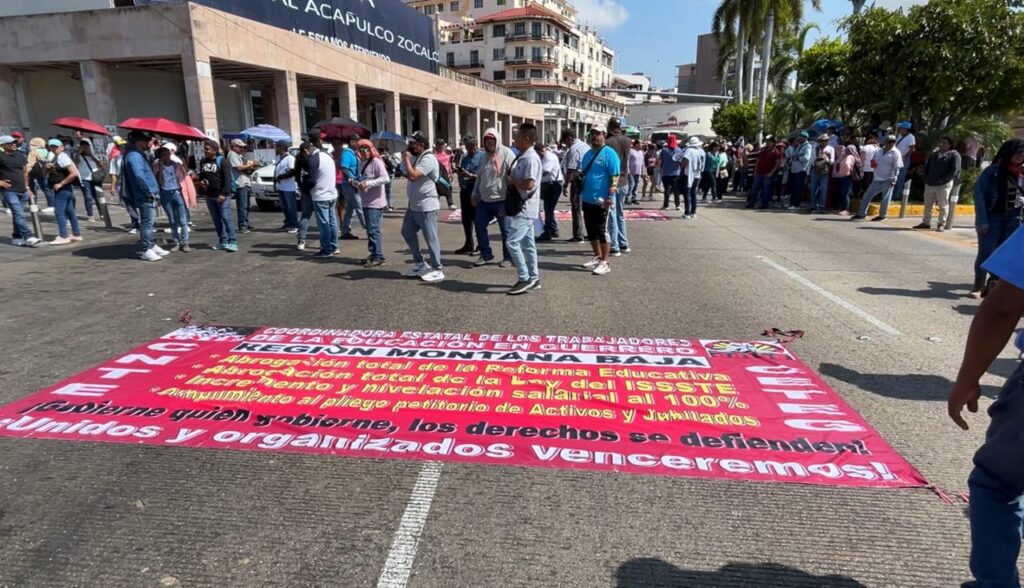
pixel 537 50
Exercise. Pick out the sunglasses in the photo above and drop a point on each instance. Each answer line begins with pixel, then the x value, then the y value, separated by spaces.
pixel 364 148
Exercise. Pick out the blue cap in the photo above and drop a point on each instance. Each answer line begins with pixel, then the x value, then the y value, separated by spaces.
pixel 904 125
pixel 54 143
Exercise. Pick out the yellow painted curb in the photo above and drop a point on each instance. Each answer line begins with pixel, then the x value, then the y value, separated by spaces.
pixel 912 209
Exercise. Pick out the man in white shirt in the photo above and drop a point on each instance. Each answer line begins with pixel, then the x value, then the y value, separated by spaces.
pixel 322 172
pixel 693 168
pixel 526 176
pixel 287 186
pixel 240 170
pixel 906 143
pixel 887 165
pixel 422 169
pixel 823 159
pixel 575 149
pixel 550 189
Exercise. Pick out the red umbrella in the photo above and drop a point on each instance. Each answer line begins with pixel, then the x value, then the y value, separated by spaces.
pixel 80 124
pixel 163 127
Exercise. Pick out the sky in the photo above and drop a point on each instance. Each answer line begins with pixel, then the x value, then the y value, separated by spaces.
pixel 654 36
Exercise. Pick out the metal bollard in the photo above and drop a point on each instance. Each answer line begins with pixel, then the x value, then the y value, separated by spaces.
pixel 101 203
pixel 37 224
pixel 905 201
pixel 954 199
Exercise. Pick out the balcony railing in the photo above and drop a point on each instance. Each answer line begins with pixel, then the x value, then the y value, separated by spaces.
pixel 524 60
pixel 465 64
pixel 451 74
pixel 512 37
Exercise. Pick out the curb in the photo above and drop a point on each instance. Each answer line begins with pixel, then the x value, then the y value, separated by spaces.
pixel 912 209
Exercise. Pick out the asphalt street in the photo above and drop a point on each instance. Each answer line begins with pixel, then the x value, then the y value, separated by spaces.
pixel 885 323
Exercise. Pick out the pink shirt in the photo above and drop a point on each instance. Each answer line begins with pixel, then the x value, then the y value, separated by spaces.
pixel 376 176
pixel 445 160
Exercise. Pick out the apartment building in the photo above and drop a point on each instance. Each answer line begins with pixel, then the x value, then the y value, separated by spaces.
pixel 536 50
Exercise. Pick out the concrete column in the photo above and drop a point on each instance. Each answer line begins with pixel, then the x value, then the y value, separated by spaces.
pixel 558 129
pixel 473 126
pixel 393 112
pixel 287 107
pixel 99 92
pixel 506 129
pixel 202 108
pixel 429 122
pixel 348 105
pixel 9 111
pixel 454 125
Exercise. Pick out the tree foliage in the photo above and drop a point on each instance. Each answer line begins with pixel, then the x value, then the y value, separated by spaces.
pixel 732 120
pixel 825 78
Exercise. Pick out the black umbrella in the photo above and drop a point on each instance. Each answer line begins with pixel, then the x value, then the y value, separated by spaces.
pixel 340 126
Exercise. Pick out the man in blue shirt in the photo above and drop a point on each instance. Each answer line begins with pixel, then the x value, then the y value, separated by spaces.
pixel 670 170
pixel 349 163
pixel 468 167
pixel 140 188
pixel 997 481
pixel 600 169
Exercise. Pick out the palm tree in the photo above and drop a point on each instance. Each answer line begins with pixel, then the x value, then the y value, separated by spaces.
pixel 786 53
pixel 778 14
pixel 734 24
pixel 858 5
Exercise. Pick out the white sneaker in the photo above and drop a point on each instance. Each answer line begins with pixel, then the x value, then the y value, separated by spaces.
pixel 160 250
pixel 419 270
pixel 167 230
pixel 150 255
pixel 133 232
pixel 33 241
pixel 602 269
pixel 433 276
pixel 47 210
pixel 301 246
pixel 60 241
pixel 592 263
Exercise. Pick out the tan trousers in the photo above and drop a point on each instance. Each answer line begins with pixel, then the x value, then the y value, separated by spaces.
pixel 936 195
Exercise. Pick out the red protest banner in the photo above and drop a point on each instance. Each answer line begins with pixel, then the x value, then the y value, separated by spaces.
pixel 674 407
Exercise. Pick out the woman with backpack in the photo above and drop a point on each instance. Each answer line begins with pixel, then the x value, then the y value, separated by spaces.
pixel 63 173
pixel 91 174
pixel 847 172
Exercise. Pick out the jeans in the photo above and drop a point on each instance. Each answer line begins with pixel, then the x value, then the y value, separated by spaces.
pixel 819 190
pixel 387 192
pixel 327 223
pixel 174 206
pixel 877 187
pixel 690 195
pixel 42 184
pixel 901 179
pixel 996 485
pixel 374 243
pixel 762 191
pixel 1001 225
pixel 708 184
pixel 550 193
pixel 634 181
pixel 845 186
pixel 796 188
pixel 287 201
pixel 670 185
pixel 485 211
pixel 721 187
pixel 307 211
pixel 132 210
pixel 576 202
pixel 88 195
pixel 425 222
pixel 468 212
pixel 617 220
pixel 243 195
pixel 522 247
pixel 220 214
pixel 17 201
pixel 64 208
pixel 353 205
pixel 147 214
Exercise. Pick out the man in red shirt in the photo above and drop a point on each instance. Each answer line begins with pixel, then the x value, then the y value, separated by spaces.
pixel 768 162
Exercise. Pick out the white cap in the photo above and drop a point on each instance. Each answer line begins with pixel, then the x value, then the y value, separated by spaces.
pixel 170 146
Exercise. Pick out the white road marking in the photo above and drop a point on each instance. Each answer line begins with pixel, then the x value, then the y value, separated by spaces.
pixel 407 538
pixel 854 309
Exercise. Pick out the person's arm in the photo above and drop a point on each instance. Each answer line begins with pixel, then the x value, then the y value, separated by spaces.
pixel 896 167
pixel 411 173
pixel 533 169
pixel 957 163
pixel 614 168
pixel 292 172
pixel 981 191
pixel 991 329
pixel 379 176
pixel 143 177
pixel 225 183
pixel 28 185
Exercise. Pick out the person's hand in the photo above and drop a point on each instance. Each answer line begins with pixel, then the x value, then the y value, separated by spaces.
pixel 363 185
pixel 5 184
pixel 961 396
pixel 892 182
pixel 221 199
pixel 475 200
pixel 982 230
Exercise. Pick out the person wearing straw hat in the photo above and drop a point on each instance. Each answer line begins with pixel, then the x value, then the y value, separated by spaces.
pixel 824 157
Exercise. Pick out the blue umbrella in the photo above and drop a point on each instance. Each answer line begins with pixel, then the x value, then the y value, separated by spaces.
pixel 820 126
pixel 269 132
pixel 394 141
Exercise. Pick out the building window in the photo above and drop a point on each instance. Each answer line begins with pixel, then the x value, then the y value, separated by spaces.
pixel 535 53
pixel 499 54
pixel 454 6
pixel 498 31
pixel 499 76
pixel 549 31
pixel 535 29
pixel 520 74
pixel 520 51
pixel 501 2
pixel 474 57
pixel 478 3
pixel 545 97
pixel 520 28
pixel 536 73
pixel 450 57
pixel 440 7
pixel 428 10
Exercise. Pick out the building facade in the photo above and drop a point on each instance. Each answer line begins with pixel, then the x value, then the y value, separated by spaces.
pixel 534 49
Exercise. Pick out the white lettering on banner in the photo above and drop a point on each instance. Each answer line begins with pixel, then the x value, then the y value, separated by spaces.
pixel 829 409
pixel 171 346
pixel 796 388
pixel 118 373
pixel 83 389
pixel 327 11
pixel 822 425
pixel 146 359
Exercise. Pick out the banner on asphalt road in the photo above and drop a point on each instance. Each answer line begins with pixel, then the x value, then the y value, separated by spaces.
pixel 455 216
pixel 675 407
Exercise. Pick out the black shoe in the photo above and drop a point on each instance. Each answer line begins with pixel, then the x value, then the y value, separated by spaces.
pixel 575 240
pixel 544 237
pixel 922 226
pixel 535 285
pixel 375 263
pixel 878 218
pixel 749 206
pixel 519 288
pixel 465 250
pixel 348 237
pixel 858 217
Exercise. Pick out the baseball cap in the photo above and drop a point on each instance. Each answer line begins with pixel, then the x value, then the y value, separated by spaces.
pixel 283 143
pixel 594 130
pixel 237 143
pixel 135 135
pixel 890 139
pixel 54 143
pixel 17 135
pixel 119 140
pixel 6 139
pixel 419 138
pixel 904 125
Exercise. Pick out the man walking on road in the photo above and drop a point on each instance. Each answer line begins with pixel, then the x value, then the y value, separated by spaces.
pixel 941 171
pixel 693 168
pixel 887 164
pixel 489 197
pixel 215 185
pixel 324 176
pixel 824 158
pixel 618 141
pixel 799 165
pixel 575 149
pixel 525 178
pixel 600 169
pixel 469 167
pixel 422 170
pixel 997 481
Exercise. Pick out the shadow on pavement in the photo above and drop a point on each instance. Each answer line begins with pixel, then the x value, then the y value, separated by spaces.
pixel 107 252
pixel 649 572
pixel 368 273
pixel 947 290
pixel 474 287
pixel 908 386
pixel 966 309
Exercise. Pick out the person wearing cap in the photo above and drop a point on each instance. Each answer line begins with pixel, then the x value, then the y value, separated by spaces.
pixel 670 157
pixel 693 157
pixel 171 177
pixel 421 169
pixel 525 178
pixel 444 159
pixel 468 168
pixel 348 168
pixel 600 169
pixel 575 149
pixel 799 166
pixel 824 158
pixel 88 164
pixel 14 185
pixel 906 143
pixel 19 142
pixel 887 164
pixel 550 189
pixel 139 186
pixel 116 162
pixel 489 192
pixel 62 175
pixel 39 171
pixel 323 178
pixel 241 182
pixel 286 184
pixel 373 176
